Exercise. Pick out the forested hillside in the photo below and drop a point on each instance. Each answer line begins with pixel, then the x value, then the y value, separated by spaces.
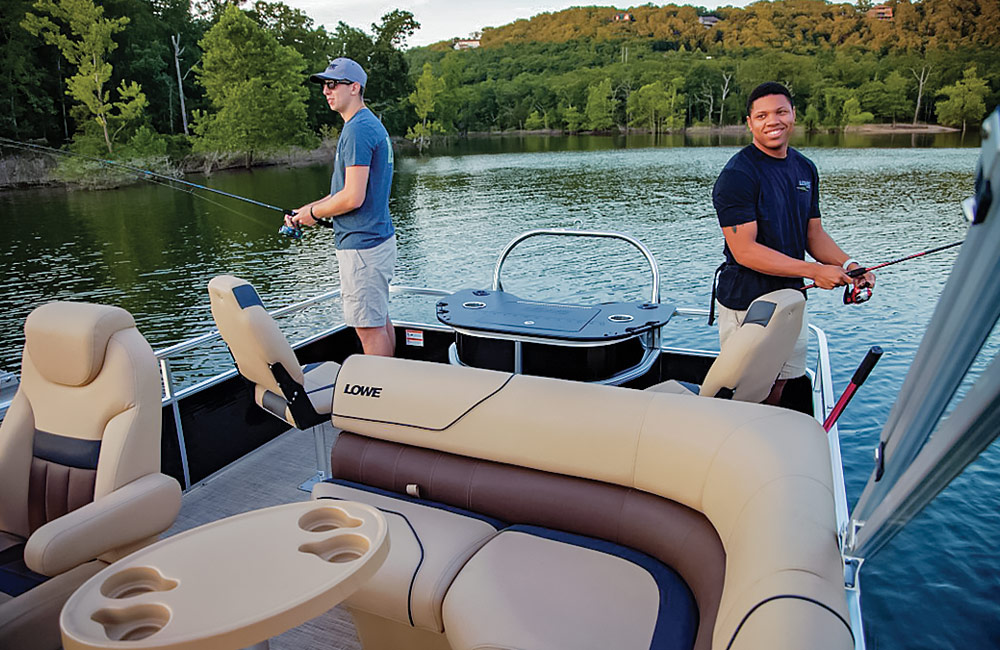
pixel 225 80
pixel 662 68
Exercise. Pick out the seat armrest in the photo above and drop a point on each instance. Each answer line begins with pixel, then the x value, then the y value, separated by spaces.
pixel 136 511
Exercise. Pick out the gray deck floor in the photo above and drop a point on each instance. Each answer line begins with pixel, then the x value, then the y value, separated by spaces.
pixel 267 477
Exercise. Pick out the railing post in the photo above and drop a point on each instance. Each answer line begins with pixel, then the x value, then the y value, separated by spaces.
pixel 168 389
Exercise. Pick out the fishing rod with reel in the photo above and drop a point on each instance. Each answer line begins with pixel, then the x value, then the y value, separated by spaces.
pixel 145 174
pixel 855 294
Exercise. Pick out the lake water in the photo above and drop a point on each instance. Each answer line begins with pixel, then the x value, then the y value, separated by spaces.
pixel 152 250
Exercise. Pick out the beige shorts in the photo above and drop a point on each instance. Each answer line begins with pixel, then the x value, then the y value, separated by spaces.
pixel 730 321
pixel 364 283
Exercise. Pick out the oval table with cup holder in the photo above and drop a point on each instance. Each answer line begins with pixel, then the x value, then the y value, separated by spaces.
pixel 232 583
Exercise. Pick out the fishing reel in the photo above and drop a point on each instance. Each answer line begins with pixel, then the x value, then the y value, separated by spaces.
pixel 855 295
pixel 296 233
pixel 293 231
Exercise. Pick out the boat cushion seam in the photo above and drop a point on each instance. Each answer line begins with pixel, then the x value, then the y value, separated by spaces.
pixel 792 597
pixel 420 562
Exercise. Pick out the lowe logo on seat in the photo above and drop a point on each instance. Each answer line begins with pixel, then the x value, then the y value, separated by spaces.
pixel 365 391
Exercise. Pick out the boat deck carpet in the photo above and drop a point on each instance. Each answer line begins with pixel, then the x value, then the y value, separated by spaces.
pixel 270 476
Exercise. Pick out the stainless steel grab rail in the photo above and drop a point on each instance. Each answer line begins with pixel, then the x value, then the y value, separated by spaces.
pixel 570 232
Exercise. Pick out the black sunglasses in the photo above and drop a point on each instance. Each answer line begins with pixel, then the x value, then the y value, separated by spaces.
pixel 330 85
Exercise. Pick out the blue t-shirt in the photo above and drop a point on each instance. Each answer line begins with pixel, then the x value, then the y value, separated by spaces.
pixel 365 142
pixel 781 195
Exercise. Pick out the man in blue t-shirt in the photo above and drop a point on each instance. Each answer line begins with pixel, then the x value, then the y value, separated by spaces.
pixel 767 201
pixel 358 204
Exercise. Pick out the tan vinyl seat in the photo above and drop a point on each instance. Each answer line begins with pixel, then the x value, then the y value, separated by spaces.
pixel 748 365
pixel 80 481
pixel 299 395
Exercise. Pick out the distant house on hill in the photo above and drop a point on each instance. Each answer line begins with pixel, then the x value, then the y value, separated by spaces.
pixel 466 43
pixel 708 21
pixel 880 12
pixel 623 17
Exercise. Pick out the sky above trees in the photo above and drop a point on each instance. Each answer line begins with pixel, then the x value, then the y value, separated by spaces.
pixel 445 19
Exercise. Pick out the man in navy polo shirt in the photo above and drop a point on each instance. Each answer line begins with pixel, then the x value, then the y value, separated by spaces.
pixel 767 201
pixel 358 204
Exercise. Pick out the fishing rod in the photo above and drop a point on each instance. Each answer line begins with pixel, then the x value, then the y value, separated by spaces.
pixel 856 295
pixel 295 233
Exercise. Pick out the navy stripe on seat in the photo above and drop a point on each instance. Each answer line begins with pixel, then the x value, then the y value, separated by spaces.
pixel 496 523
pixel 15 576
pixel 677 616
pixel 246 296
pixel 64 450
pixel 420 561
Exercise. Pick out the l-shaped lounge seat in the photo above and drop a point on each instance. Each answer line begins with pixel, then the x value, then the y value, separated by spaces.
pixel 500 485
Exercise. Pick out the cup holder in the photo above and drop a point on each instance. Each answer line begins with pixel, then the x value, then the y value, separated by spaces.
pixel 322 520
pixel 132 623
pixel 338 549
pixel 135 581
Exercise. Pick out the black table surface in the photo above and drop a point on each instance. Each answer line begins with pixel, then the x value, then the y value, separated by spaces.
pixel 504 313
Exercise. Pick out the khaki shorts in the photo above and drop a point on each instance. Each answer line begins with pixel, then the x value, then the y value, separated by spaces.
pixel 731 319
pixel 364 283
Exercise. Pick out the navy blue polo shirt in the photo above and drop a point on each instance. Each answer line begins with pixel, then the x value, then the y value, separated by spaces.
pixel 781 195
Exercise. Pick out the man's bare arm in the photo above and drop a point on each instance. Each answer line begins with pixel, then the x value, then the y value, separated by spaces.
pixel 742 241
pixel 348 199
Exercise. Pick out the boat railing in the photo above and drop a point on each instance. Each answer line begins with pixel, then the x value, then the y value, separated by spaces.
pixel 654 296
pixel 172 395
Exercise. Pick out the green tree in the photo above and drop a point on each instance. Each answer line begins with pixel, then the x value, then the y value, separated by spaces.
pixel 965 100
pixel 897 103
pixel 424 99
pixel 535 121
pixel 600 110
pixel 811 118
pixel 254 86
pixel 648 105
pixel 88 52
pixel 573 118
pixel 292 27
pixel 852 115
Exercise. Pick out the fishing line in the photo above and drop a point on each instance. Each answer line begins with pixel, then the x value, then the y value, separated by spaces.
pixel 148 175
pixel 144 172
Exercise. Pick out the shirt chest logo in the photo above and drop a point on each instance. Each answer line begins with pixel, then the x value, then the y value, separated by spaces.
pixel 804 186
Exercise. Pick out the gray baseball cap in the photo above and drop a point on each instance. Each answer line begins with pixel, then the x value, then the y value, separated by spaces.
pixel 341 68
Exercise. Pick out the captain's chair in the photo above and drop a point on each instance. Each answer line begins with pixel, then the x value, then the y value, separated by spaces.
pixel 748 365
pixel 80 481
pixel 300 395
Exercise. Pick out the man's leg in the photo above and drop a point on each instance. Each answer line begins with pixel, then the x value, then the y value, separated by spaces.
pixel 380 341
pixel 794 367
pixel 364 281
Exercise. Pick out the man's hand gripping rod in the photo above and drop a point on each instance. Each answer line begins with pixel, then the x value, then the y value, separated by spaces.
pixel 855 294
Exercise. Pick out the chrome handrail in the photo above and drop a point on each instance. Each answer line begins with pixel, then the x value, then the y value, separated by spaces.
pixel 570 232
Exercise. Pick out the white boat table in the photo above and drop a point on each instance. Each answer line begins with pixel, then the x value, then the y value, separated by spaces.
pixel 232 583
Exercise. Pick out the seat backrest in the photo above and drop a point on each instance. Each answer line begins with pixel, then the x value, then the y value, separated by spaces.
pixel 753 356
pixel 86 417
pixel 251 334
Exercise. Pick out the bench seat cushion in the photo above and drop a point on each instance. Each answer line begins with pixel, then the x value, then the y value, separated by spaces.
pixel 428 545
pixel 534 588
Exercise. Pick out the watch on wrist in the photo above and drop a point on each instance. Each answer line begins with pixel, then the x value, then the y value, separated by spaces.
pixel 313 215
pixel 849 262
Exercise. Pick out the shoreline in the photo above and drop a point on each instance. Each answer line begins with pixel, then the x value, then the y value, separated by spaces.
pixel 33 171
